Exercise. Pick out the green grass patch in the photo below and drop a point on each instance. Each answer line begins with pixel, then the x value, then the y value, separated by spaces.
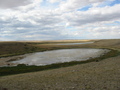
pixel 22 68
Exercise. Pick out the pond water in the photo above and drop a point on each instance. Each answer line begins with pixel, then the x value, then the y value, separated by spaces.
pixel 74 43
pixel 58 56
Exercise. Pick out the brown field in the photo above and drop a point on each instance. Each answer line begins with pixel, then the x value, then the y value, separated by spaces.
pixel 11 48
pixel 102 75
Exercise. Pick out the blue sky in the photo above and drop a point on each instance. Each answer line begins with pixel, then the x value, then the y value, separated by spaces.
pixel 85 8
pixel 59 19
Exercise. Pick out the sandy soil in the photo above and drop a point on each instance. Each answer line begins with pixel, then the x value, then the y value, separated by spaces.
pixel 103 75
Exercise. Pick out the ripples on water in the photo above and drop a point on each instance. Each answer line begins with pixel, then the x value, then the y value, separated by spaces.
pixel 57 56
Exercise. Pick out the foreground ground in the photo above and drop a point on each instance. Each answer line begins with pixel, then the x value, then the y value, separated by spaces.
pixel 102 75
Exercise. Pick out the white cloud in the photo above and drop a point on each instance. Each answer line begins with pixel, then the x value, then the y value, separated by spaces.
pixel 93 15
pixel 99 30
pixel 54 1
pixel 13 3
pixel 34 22
pixel 70 5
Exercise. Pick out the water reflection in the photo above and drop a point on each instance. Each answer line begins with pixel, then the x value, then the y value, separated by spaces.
pixel 74 43
pixel 56 56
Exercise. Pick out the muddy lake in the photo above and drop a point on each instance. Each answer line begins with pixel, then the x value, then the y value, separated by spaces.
pixel 60 56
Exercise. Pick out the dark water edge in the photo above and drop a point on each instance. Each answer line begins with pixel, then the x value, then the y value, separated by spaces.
pixel 60 56
pixel 22 68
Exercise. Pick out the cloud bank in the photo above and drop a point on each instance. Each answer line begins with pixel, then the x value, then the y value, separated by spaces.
pixel 59 19
pixel 13 3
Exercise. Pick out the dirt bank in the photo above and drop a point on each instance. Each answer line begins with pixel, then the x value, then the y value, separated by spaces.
pixel 5 61
pixel 103 75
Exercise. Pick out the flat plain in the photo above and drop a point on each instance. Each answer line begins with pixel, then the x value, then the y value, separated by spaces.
pixel 102 75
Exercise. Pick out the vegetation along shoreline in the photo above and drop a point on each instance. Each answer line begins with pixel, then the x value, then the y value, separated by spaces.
pixel 22 68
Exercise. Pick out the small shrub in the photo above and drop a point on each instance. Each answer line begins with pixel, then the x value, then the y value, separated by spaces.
pixel 21 65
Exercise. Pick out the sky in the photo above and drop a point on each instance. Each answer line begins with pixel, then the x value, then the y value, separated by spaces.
pixel 59 19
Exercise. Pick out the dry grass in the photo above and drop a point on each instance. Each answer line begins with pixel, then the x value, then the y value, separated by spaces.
pixel 14 48
pixel 111 44
pixel 103 75
pixel 21 47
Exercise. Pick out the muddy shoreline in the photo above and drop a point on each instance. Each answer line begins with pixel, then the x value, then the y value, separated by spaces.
pixel 103 75
pixel 7 61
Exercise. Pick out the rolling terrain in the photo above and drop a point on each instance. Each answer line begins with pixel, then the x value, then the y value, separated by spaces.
pixel 102 75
